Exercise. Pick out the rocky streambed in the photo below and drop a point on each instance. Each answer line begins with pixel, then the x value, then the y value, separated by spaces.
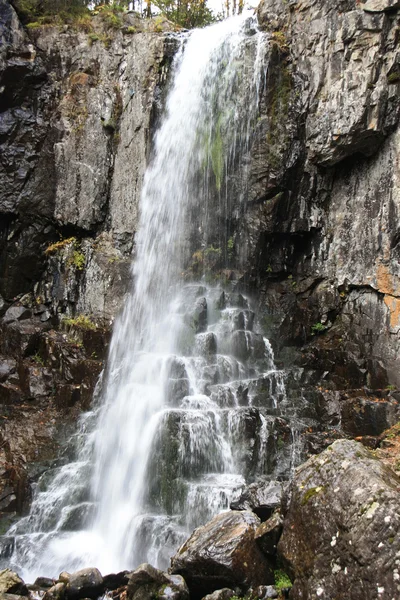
pixel 333 533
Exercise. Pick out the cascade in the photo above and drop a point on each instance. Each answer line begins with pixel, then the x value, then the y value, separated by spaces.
pixel 190 406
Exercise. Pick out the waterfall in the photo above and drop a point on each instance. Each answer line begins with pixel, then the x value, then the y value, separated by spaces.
pixel 189 403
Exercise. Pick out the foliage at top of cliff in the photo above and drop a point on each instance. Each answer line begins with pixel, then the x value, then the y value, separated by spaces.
pixel 184 13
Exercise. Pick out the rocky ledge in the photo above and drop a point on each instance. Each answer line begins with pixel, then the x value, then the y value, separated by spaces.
pixel 334 533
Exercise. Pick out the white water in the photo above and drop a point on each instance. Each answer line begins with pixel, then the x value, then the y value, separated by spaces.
pixel 182 421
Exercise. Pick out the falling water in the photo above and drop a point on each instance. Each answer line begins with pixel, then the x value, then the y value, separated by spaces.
pixel 190 402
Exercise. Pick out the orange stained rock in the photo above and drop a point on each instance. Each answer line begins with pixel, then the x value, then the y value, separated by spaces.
pixel 393 305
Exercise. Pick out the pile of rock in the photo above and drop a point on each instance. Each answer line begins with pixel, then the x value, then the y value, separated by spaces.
pixel 335 531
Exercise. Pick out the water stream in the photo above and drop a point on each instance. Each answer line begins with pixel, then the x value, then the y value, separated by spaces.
pixel 191 404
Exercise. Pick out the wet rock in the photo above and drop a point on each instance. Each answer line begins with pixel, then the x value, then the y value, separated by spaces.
pixel 206 344
pixel 7 545
pixel 268 534
pixel 262 497
pixel 44 582
pixel 86 583
pixel 222 553
pixel 341 531
pixel 11 583
pixel 56 592
pixel 200 316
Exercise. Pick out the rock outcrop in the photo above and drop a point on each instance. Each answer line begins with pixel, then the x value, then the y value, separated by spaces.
pixel 341 531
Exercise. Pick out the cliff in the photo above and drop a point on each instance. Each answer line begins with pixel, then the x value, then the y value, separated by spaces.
pixel 320 225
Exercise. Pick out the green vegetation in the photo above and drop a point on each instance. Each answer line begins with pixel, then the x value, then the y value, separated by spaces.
pixel 185 13
pixel 282 580
pixel 80 322
pixel 38 13
pixel 317 328
pixel 394 77
pixel 75 259
pixel 38 360
pixel 311 493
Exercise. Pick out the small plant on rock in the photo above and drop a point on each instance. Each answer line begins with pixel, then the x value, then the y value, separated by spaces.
pixel 282 581
pixel 317 328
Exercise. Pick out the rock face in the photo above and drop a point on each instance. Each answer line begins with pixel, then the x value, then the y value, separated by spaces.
pixel 221 554
pixel 341 531
pixel 75 122
pixel 325 247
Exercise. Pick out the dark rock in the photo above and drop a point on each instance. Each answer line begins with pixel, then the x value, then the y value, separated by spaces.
pixel 341 531
pixel 7 545
pixel 113 581
pixel 200 316
pixel 367 416
pixel 268 534
pixel 86 583
pixel 44 582
pixel 260 497
pixel 222 553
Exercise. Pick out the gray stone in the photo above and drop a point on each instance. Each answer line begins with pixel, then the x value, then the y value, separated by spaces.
pixel 341 530
pixel 16 313
pixel 380 5
pixel 86 583
pixel 224 594
pixel 262 497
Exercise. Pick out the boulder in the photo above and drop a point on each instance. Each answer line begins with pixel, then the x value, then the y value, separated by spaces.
pixel 341 532
pixel 11 583
pixel 260 497
pixel 86 583
pixel 147 583
pixel 223 553
pixel 44 582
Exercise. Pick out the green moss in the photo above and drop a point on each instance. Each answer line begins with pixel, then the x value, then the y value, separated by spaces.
pixel 77 260
pixel 393 77
pixel 311 493
pixel 282 580
pixel 217 155
pixel 80 322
